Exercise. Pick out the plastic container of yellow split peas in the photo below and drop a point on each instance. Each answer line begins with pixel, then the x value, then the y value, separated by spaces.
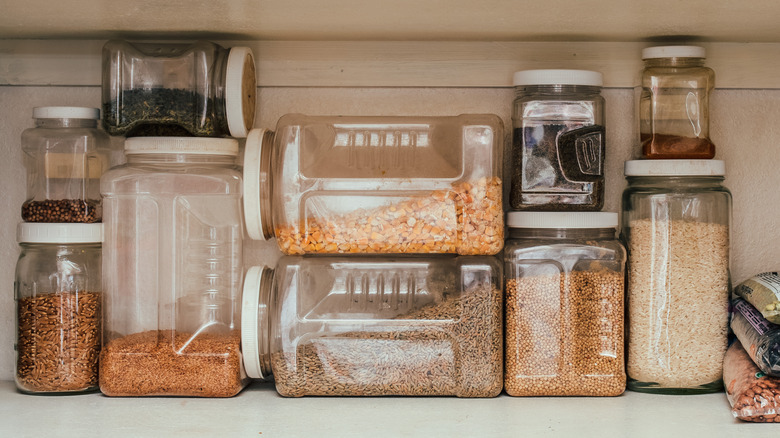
pixel 339 185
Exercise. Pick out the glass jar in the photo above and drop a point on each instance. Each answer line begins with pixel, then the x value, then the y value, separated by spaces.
pixel 558 141
pixel 200 89
pixel 64 155
pixel 172 263
pixel 676 222
pixel 360 326
pixel 674 115
pixel 564 304
pixel 333 184
pixel 58 307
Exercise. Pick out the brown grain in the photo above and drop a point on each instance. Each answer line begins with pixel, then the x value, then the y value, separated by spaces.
pixel 753 396
pixel 564 334
pixel 466 220
pixel 62 211
pixel 453 347
pixel 58 342
pixel 153 363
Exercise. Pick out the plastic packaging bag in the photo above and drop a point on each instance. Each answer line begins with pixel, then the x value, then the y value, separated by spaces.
pixel 753 395
pixel 763 292
pixel 760 338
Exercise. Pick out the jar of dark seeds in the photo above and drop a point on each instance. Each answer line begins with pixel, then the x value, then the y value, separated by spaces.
pixel 362 326
pixel 164 89
pixel 58 307
pixel 564 305
pixel 64 154
pixel 558 141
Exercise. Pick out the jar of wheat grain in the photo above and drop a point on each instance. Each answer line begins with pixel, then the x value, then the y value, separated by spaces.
pixel 676 217
pixel 369 326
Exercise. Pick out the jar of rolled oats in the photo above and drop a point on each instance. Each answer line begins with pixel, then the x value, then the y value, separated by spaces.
pixel 341 185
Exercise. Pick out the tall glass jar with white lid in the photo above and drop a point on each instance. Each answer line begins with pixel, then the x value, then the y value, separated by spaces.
pixel 676 225
pixel 172 263
pixel 65 155
pixel 558 141
pixel 58 288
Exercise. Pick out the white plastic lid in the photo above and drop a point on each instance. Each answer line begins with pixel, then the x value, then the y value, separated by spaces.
pixel 250 303
pixel 558 77
pixel 181 145
pixel 33 232
pixel 675 168
pixel 240 91
pixel 550 219
pixel 66 112
pixel 673 52
pixel 253 151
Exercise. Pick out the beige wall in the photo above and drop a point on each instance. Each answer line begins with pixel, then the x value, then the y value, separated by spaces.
pixel 744 128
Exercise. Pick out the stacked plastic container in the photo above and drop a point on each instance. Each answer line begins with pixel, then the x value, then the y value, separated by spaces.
pixel 57 287
pixel 676 226
pixel 172 213
pixel 379 307
pixel 563 263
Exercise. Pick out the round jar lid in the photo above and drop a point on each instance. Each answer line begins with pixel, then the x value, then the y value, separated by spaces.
pixel 34 232
pixel 675 168
pixel 253 152
pixel 250 303
pixel 558 77
pixel 240 91
pixel 66 112
pixel 673 52
pixel 181 145
pixel 549 219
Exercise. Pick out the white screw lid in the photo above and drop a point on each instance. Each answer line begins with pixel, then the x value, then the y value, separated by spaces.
pixel 66 112
pixel 561 220
pixel 558 77
pixel 181 145
pixel 673 52
pixel 240 91
pixel 253 152
pixel 250 303
pixel 675 168
pixel 36 232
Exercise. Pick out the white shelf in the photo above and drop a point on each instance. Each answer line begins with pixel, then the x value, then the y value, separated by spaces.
pixel 259 412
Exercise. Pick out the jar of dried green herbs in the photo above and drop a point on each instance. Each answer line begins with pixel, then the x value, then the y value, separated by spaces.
pixel 200 89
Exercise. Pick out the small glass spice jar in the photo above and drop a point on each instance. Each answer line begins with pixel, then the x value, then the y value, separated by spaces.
pixel 674 115
pixel 676 221
pixel 377 184
pixel 64 155
pixel 363 325
pixel 172 264
pixel 558 141
pixel 58 307
pixel 164 89
pixel 564 305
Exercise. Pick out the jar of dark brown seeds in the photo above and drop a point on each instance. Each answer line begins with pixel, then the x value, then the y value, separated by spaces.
pixel 367 326
pixel 58 307
pixel 65 155
pixel 564 305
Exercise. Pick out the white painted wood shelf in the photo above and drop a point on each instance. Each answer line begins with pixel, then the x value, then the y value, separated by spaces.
pixel 259 412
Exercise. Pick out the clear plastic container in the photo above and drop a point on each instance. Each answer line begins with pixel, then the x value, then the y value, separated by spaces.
pixel 558 141
pixel 165 89
pixel 64 155
pixel 674 115
pixel 360 326
pixel 172 263
pixel 676 224
pixel 377 184
pixel 58 308
pixel 564 304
